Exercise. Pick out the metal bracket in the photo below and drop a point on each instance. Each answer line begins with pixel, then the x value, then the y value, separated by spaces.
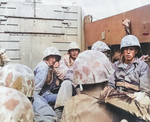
pixel 3 18
pixel 66 7
pixel 67 23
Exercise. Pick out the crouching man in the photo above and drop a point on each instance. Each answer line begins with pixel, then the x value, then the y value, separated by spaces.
pixel 45 81
pixel 65 73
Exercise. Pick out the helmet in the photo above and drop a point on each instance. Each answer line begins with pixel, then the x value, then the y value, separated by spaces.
pixel 129 40
pixel 100 46
pixel 91 67
pixel 52 51
pixel 73 45
pixel 14 106
pixel 19 77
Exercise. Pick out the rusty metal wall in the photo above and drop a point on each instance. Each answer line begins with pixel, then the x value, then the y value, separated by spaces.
pixel 28 28
pixel 111 31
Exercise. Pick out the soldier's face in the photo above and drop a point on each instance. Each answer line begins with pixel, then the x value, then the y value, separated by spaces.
pixel 74 53
pixel 129 54
pixel 51 60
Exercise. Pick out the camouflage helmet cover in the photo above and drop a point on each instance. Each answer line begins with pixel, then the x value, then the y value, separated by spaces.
pixel 91 67
pixel 100 46
pixel 19 77
pixel 14 106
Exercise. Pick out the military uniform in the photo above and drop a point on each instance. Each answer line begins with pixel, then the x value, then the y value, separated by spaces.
pixel 133 82
pixel 91 71
pixel 44 78
pixel 65 69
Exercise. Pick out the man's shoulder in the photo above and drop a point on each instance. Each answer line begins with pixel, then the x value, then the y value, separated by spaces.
pixel 142 65
pixel 41 65
pixel 141 62
pixel 115 64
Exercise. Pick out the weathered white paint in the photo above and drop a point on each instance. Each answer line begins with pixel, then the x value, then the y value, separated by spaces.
pixel 27 29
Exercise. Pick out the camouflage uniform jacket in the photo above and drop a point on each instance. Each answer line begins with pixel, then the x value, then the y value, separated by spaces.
pixel 134 77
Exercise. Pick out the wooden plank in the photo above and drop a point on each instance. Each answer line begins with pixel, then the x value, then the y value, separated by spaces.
pixel 9 37
pixel 70 30
pixel 47 11
pixel 10 45
pixel 13 54
pixel 15 61
pixel 2 11
pixel 2 28
pixel 54 12
pixel 2 23
pixel 70 16
pixel 37 1
pixel 63 53
pixel 64 23
pixel 4 36
pixel 64 39
pixel 18 9
pixel 39 44
pixel 14 37
pixel 39 26
pixel 26 50
pixel 63 46
pixel 14 21
pixel 27 39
